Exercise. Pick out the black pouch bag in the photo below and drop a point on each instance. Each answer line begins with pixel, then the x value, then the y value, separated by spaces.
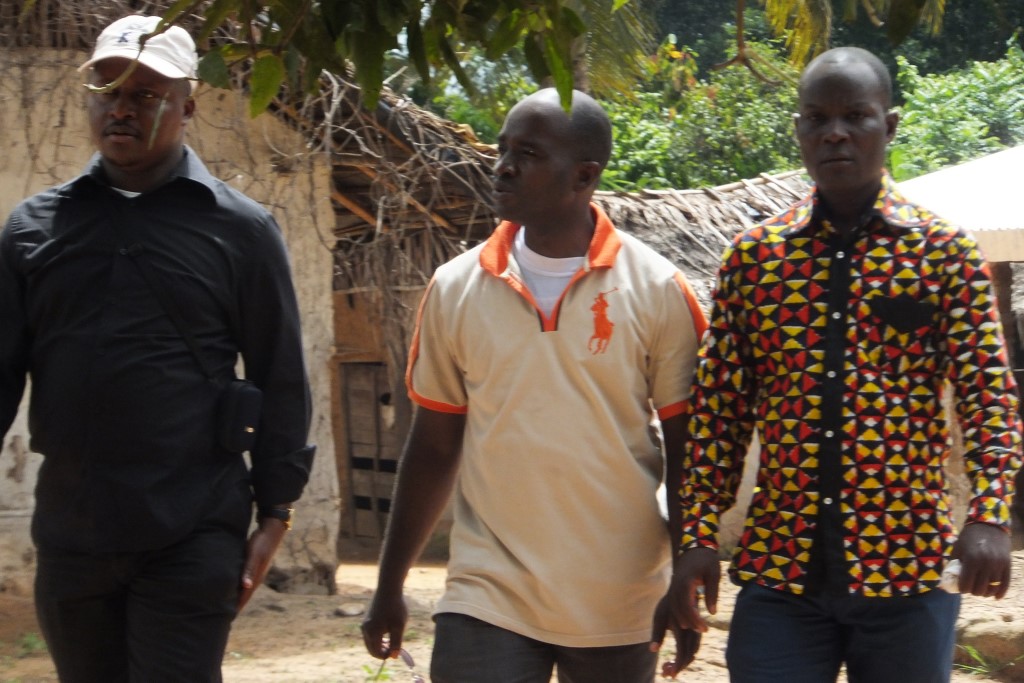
pixel 239 415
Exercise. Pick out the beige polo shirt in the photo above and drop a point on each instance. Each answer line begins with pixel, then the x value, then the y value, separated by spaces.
pixel 557 533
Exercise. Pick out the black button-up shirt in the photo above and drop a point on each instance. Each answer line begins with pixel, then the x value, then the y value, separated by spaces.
pixel 118 405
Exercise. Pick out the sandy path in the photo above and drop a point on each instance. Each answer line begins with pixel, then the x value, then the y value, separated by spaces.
pixel 288 638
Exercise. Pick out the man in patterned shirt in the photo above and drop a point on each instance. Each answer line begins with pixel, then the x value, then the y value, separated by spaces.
pixel 835 328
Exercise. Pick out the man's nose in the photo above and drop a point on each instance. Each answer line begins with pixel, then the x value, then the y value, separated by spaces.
pixel 836 130
pixel 503 167
pixel 121 105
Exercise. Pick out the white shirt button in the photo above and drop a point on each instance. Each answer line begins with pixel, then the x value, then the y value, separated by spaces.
pixel 830 433
pixel 837 315
pixel 830 374
pixel 840 254
pixel 827 501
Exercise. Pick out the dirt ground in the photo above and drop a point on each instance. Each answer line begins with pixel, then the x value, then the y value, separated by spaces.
pixel 288 638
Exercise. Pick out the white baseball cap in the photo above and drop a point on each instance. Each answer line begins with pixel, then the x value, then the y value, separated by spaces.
pixel 171 53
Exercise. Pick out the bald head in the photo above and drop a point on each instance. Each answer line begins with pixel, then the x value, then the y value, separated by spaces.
pixel 587 122
pixel 850 60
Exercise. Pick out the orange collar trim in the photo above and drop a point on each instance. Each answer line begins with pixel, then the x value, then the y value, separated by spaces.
pixel 603 246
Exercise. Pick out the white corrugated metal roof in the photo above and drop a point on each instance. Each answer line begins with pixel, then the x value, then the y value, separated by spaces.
pixel 985 196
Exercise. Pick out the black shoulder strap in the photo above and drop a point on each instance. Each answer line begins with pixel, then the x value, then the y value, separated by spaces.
pixel 136 253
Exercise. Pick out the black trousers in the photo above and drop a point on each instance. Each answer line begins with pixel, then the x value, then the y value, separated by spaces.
pixel 467 650
pixel 160 616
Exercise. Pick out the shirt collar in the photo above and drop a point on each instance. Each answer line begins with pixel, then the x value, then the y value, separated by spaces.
pixel 190 168
pixel 890 206
pixel 604 245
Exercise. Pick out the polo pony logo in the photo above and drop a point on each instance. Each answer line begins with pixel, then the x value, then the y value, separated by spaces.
pixel 603 327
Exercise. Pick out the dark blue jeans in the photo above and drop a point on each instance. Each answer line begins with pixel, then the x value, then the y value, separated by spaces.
pixel 777 636
pixel 467 650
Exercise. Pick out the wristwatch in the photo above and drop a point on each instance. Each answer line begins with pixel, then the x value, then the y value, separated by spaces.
pixel 282 513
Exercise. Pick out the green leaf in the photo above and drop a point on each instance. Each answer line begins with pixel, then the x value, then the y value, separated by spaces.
pixel 505 36
pixel 561 70
pixel 215 16
pixel 903 17
pixel 367 55
pixel 392 15
pixel 267 75
pixel 452 60
pixel 482 11
pixel 341 17
pixel 571 22
pixel 418 50
pixel 213 70
pixel 174 11
pixel 235 51
pixel 313 42
pixel 619 4
pixel 293 65
pixel 535 58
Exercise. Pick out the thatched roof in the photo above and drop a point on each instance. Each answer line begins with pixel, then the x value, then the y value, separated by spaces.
pixel 692 227
pixel 421 183
pixel 411 190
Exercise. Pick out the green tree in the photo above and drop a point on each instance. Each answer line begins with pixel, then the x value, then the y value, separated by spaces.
pixel 707 132
pixel 295 40
pixel 709 27
pixel 955 117
pixel 988 23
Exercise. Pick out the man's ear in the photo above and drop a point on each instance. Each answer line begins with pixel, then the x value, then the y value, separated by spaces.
pixel 587 174
pixel 190 108
pixel 892 119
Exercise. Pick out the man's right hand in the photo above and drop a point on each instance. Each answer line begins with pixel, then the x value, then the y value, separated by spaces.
pixel 695 569
pixel 384 624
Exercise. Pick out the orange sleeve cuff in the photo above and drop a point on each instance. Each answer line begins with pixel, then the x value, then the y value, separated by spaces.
pixel 437 406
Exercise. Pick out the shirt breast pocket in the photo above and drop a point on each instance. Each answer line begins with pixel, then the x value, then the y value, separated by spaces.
pixel 904 334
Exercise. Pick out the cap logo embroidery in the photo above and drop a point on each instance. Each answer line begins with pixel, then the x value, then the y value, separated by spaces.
pixel 603 327
pixel 133 34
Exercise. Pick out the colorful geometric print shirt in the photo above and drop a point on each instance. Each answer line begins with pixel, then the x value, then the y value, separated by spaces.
pixel 837 351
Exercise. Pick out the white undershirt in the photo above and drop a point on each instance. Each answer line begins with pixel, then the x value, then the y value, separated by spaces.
pixel 545 277
pixel 127 193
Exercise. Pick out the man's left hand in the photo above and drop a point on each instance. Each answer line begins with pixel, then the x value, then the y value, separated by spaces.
pixel 984 551
pixel 258 554
pixel 687 641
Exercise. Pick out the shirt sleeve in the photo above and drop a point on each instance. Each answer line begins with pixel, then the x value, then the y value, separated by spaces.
pixel 984 388
pixel 673 352
pixel 270 342
pixel 721 422
pixel 433 377
pixel 14 341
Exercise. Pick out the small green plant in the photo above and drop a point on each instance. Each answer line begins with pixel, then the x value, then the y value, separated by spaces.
pixel 374 673
pixel 384 674
pixel 980 665
pixel 31 644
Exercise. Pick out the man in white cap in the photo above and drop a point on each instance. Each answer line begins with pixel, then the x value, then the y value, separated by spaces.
pixel 128 295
